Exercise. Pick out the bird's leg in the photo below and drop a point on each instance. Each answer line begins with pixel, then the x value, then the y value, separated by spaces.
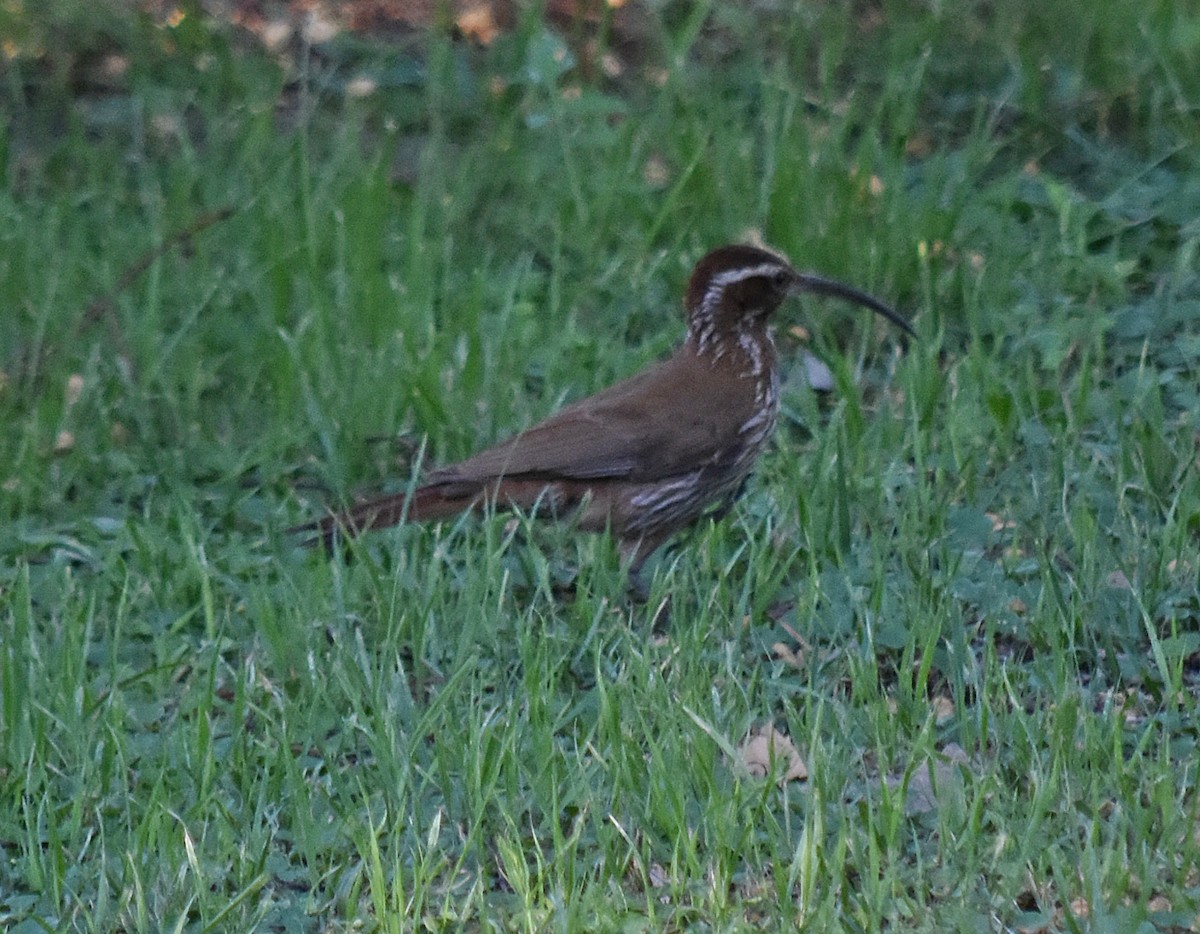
pixel 639 590
pixel 634 552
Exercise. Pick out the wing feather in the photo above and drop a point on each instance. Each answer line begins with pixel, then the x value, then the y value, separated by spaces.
pixel 653 425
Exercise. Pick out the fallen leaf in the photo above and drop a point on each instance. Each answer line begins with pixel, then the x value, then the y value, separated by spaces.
pixel 928 782
pixel 769 748
pixel 786 654
pixel 999 522
pixel 478 24
pixel 276 34
pixel 74 389
pixel 1118 580
pixel 318 30
pixel 362 86
pixel 918 146
pixel 612 66
pixel 655 172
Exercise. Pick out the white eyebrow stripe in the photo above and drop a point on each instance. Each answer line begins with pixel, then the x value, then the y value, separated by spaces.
pixel 746 272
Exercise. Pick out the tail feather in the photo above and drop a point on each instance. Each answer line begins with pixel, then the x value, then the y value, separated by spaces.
pixel 445 499
pixel 425 504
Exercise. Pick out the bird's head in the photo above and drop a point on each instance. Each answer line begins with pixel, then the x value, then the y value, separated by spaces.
pixel 737 288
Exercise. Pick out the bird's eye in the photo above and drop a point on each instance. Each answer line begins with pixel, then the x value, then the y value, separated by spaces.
pixel 780 278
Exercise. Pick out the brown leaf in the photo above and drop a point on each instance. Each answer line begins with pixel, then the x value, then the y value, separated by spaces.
pixel 931 779
pixel 1118 580
pixel 478 24
pixel 787 654
pixel 74 389
pixel 767 749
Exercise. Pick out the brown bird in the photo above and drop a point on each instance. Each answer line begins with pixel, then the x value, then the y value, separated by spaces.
pixel 653 453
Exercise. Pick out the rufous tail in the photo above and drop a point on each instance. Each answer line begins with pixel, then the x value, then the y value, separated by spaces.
pixel 425 504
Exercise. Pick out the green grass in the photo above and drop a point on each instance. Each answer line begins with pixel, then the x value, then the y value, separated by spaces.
pixel 981 551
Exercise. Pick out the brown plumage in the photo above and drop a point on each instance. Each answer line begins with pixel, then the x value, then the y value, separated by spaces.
pixel 651 454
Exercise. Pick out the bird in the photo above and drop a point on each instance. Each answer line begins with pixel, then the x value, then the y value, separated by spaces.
pixel 652 454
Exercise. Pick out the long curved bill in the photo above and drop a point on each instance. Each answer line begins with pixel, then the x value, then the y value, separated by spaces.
pixel 810 282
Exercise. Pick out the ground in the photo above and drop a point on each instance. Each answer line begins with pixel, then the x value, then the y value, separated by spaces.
pixel 936 671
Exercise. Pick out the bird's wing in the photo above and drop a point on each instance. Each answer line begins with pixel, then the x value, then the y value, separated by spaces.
pixel 653 425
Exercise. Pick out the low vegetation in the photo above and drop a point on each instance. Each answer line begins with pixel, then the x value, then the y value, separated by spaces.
pixel 938 669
